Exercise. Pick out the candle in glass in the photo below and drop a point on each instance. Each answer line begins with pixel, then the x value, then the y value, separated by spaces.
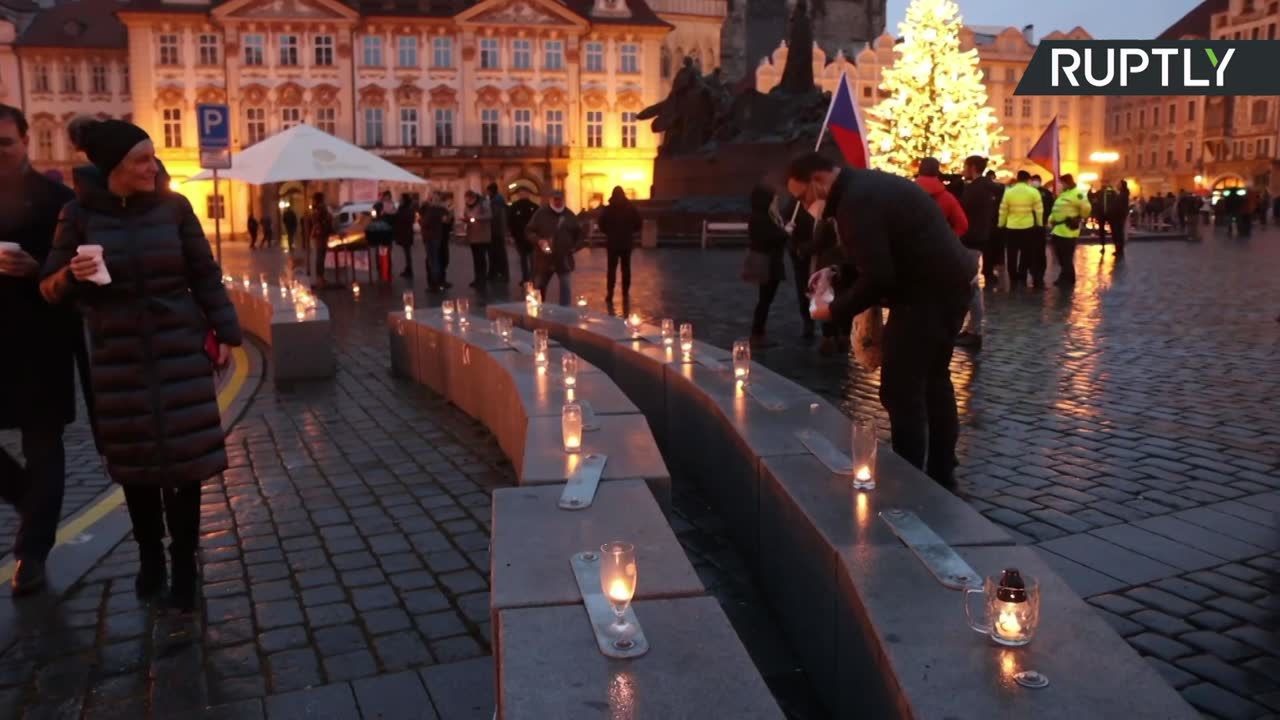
pixel 864 454
pixel 504 328
pixel 581 302
pixel 463 307
pixel 668 332
pixel 262 280
pixel 355 289
pixel 741 361
pixel 618 582
pixel 409 301
pixel 569 368
pixel 446 307
pixel 686 340
pixel 300 310
pixel 540 344
pixel 633 323
pixel 571 427
pixel 245 281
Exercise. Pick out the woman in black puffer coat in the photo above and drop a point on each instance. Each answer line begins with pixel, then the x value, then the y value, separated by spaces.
pixel 158 417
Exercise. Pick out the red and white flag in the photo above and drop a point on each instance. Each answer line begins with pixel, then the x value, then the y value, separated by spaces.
pixel 846 126
pixel 1045 152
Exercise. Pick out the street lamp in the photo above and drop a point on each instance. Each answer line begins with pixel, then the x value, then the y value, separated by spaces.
pixel 1104 157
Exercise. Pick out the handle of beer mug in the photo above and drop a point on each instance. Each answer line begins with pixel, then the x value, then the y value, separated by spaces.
pixel 985 626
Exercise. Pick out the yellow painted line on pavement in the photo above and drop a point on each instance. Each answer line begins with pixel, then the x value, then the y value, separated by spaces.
pixel 112 500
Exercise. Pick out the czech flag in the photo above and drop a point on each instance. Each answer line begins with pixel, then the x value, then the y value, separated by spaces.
pixel 846 126
pixel 1045 152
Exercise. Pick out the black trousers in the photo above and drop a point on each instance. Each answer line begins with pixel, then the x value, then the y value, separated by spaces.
pixel 408 258
pixel 253 239
pixel 768 291
pixel 480 262
pixel 993 254
pixel 1118 231
pixel 36 490
pixel 616 258
pixel 915 384
pixel 151 509
pixel 800 271
pixel 1064 250
pixel 322 249
pixel 499 268
pixel 1023 247
pixel 525 252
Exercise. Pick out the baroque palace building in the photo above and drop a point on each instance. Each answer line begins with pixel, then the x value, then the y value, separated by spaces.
pixel 1003 54
pixel 534 94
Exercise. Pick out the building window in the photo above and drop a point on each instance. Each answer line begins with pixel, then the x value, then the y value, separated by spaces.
pixel 253 49
pixel 595 128
pixel 866 92
pixel 70 79
pixel 444 127
pixel 1271 31
pixel 372 55
pixel 40 79
pixel 172 121
pixel 521 54
pixel 1168 157
pixel 595 57
pixel 98 79
pixel 555 128
pixel 489 127
pixel 1128 120
pixel 523 121
pixel 373 127
pixel 124 78
pixel 407 51
pixel 628 129
pixel 169 50
pixel 1115 123
pixel 1139 155
pixel 255 125
pixel 488 53
pixel 289 50
pixel 214 207
pixel 1009 75
pixel 442 52
pixel 209 49
pixel 1173 114
pixel 408 127
pixel 1008 107
pixel 554 52
pixel 44 144
pixel 629 60
pixel 327 120
pixel 1191 111
pixel 324 50
pixel 1187 151
pixel 1256 34
pixel 1155 117
pixel 1064 109
pixel 289 117
pixel 1264 148
pixel 1153 158
pixel 1259 112
pixel 1046 107
pixel 1026 109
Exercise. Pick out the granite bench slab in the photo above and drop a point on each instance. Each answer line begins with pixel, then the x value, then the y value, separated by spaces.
pixel 625 439
pixel 296 349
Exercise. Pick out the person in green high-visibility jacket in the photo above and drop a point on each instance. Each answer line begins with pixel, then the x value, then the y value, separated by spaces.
pixel 1068 216
pixel 1021 215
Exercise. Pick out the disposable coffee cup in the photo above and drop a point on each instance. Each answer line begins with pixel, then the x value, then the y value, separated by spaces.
pixel 10 247
pixel 99 276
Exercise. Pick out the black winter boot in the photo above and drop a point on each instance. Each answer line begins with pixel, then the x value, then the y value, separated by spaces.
pixel 182 594
pixel 151 571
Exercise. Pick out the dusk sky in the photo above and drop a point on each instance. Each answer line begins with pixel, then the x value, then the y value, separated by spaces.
pixel 1104 19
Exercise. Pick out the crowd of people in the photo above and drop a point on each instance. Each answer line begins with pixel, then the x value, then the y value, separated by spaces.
pixel 116 279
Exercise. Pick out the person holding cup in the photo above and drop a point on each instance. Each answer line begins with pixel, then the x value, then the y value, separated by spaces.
pixel 134 258
pixel 37 387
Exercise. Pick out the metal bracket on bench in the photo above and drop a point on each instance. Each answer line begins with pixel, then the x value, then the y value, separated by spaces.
pixel 589 421
pixel 949 568
pixel 580 491
pixel 520 346
pixel 765 397
pixel 836 461
pixel 709 363
pixel 586 570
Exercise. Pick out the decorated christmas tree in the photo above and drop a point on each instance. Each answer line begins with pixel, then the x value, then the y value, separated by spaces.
pixel 937 104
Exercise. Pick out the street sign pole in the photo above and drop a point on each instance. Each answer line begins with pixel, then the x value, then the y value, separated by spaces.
pixel 217 217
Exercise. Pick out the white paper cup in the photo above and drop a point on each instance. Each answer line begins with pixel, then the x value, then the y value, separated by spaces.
pixel 100 276
pixel 10 247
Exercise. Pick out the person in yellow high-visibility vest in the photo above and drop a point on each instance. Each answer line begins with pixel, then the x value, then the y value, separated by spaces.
pixel 1021 215
pixel 1068 216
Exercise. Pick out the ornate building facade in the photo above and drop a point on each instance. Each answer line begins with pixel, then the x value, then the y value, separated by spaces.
pixel 539 94
pixel 1003 55
pixel 754 27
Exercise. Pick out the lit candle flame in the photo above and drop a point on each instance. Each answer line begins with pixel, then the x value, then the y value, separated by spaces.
pixel 355 288
pixel 1009 625
pixel 863 473
pixel 573 441
pixel 620 590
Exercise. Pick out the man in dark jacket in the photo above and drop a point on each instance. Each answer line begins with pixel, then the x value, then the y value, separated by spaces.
pixel 620 223
pixel 981 202
pixel 289 219
pixel 518 216
pixel 907 259
pixel 1037 262
pixel 499 268
pixel 37 392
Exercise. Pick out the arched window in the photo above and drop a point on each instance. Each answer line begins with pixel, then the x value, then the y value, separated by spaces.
pixel 666 62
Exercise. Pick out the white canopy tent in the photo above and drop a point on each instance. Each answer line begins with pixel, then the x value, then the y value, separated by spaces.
pixel 305 153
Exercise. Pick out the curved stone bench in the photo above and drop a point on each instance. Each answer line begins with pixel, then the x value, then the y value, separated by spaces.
pixel 547 662
pixel 877 634
pixel 296 349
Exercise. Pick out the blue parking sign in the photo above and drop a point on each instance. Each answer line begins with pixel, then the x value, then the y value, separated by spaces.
pixel 213 126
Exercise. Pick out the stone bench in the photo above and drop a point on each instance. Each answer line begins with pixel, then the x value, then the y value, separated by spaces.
pixel 536 607
pixel 876 633
pixel 296 349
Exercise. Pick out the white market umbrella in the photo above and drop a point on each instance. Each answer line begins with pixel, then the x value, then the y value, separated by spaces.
pixel 305 153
